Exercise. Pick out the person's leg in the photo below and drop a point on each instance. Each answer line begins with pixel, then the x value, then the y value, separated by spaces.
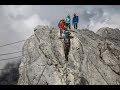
pixel 76 25
pixel 60 32
pixel 66 53
pixel 68 48
pixel 69 26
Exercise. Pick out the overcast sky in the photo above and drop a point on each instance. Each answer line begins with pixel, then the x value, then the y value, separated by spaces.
pixel 18 21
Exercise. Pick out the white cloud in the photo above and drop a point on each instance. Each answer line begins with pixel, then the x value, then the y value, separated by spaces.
pixel 34 21
pixel 111 21
pixel 25 27
pixel 17 10
pixel 115 19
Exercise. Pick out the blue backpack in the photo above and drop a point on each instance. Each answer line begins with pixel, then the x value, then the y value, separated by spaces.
pixel 65 31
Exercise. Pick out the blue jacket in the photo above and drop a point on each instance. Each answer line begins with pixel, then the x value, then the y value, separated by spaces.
pixel 67 20
pixel 75 19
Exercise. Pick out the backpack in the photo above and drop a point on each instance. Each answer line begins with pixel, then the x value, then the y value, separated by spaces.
pixel 66 38
pixel 67 20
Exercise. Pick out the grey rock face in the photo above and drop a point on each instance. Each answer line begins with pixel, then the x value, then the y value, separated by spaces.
pixel 112 35
pixel 92 60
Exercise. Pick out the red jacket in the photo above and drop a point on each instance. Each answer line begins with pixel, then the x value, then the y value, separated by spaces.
pixel 61 24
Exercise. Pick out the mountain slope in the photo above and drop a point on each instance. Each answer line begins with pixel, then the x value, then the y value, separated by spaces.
pixel 93 59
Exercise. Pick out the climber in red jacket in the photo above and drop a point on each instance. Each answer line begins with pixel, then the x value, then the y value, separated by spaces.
pixel 61 25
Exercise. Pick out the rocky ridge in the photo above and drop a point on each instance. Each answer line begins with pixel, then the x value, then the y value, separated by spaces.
pixel 94 58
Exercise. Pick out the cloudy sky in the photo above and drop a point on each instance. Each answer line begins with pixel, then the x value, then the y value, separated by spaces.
pixel 18 21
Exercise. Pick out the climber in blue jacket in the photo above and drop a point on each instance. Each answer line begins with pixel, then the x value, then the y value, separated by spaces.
pixel 68 21
pixel 75 21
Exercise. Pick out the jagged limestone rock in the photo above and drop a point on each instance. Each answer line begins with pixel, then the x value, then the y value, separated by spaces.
pixel 92 60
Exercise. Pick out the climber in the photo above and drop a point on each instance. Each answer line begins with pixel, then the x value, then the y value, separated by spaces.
pixel 66 32
pixel 67 21
pixel 66 41
pixel 61 24
pixel 75 21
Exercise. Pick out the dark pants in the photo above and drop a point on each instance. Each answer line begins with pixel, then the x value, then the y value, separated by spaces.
pixel 66 50
pixel 68 25
pixel 61 31
pixel 75 25
pixel 66 45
